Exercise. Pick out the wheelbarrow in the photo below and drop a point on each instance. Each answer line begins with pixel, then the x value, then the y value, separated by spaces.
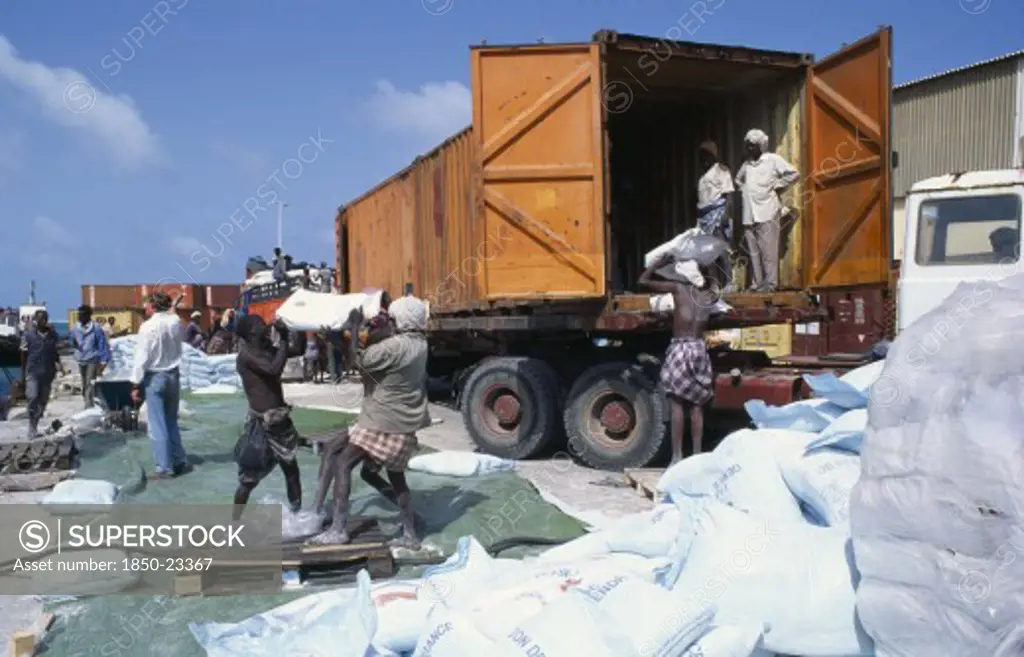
pixel 115 396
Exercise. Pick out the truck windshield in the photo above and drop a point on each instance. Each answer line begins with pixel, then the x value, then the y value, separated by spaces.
pixel 969 230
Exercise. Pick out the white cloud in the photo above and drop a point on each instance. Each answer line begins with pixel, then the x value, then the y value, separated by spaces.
pixel 53 247
pixel 249 163
pixel 12 151
pixel 436 110
pixel 113 122
pixel 184 246
pixel 52 232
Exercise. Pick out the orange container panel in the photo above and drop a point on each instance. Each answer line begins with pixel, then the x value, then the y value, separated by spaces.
pixel 537 119
pixel 222 296
pixel 195 295
pixel 416 229
pixel 108 296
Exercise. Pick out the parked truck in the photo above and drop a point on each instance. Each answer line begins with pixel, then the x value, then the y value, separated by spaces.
pixel 526 231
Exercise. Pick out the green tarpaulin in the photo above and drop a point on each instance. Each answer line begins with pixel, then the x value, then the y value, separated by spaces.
pixel 492 508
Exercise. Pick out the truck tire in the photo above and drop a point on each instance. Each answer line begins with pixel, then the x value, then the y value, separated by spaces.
pixel 615 417
pixel 511 406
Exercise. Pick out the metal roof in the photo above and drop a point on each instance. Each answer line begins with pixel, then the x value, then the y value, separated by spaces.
pixel 996 178
pixel 960 69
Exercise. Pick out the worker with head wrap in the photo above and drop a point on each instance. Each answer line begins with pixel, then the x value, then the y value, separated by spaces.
pixel 394 408
pixel 761 179
pixel 268 437
pixel 713 209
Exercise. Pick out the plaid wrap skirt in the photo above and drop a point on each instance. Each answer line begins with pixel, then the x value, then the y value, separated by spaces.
pixel 687 373
pixel 390 451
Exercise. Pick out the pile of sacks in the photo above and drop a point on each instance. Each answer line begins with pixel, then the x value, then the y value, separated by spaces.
pixel 746 554
pixel 198 370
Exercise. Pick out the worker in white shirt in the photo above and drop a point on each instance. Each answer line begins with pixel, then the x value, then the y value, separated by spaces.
pixel 761 179
pixel 714 216
pixel 155 375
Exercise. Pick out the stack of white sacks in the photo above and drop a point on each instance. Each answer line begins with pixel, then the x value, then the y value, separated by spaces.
pixel 754 549
pixel 747 554
pixel 198 370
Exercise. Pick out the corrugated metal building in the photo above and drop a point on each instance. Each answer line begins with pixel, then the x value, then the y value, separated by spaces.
pixel 960 120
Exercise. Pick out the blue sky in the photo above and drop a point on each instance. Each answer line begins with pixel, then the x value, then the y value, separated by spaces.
pixel 131 132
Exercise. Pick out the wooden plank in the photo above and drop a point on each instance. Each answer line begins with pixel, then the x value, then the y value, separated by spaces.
pixel 33 481
pixel 24 643
pixel 644 481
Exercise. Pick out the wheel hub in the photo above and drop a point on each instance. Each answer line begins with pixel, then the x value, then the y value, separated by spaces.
pixel 616 418
pixel 507 408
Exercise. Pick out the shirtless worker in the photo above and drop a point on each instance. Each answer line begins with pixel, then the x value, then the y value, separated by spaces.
pixel 686 373
pixel 260 364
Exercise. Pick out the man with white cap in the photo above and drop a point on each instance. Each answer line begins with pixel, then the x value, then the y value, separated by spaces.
pixel 761 179
pixel 394 408
pixel 194 331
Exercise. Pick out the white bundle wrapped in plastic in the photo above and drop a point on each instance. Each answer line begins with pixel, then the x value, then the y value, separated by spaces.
pixel 309 311
pixel 936 517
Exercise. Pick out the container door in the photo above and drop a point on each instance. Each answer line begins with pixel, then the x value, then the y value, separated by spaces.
pixel 538 126
pixel 848 195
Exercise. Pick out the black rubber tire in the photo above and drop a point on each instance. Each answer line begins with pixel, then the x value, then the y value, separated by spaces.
pixel 535 384
pixel 648 438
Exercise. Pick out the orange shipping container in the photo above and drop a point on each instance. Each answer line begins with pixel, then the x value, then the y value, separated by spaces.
pixel 108 296
pixel 195 295
pixel 222 296
pixel 416 229
pixel 583 157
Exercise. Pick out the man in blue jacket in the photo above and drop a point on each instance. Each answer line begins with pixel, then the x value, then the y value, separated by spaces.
pixel 40 362
pixel 92 352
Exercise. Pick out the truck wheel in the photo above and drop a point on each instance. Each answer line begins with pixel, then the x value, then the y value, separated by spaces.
pixel 511 406
pixel 615 417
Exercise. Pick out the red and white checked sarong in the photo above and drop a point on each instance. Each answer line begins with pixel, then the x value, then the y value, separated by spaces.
pixel 390 451
pixel 687 372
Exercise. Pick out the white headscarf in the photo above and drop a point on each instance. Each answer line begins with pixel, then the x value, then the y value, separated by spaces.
pixel 757 137
pixel 409 313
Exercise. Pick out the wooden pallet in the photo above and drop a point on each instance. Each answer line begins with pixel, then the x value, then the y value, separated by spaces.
pixel 368 549
pixel 25 643
pixel 644 481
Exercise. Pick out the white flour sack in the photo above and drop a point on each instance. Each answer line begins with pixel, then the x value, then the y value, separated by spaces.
pixel 823 480
pixel 795 580
pixel 465 575
pixel 515 597
pixel 743 472
pixel 729 641
pixel 448 633
pixel 573 626
pixel 309 311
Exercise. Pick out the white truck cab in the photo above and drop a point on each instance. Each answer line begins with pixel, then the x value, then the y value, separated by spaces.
pixel 960 228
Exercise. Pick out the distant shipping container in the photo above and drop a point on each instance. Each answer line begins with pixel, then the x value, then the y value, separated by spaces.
pixel 109 296
pixel 125 319
pixel 222 296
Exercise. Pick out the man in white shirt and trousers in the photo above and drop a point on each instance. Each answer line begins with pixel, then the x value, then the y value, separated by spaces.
pixel 155 373
pixel 761 179
pixel 714 216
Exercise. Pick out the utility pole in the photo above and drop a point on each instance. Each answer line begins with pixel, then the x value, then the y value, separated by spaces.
pixel 280 225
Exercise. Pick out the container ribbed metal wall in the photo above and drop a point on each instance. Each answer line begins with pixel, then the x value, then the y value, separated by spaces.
pixel 958 122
